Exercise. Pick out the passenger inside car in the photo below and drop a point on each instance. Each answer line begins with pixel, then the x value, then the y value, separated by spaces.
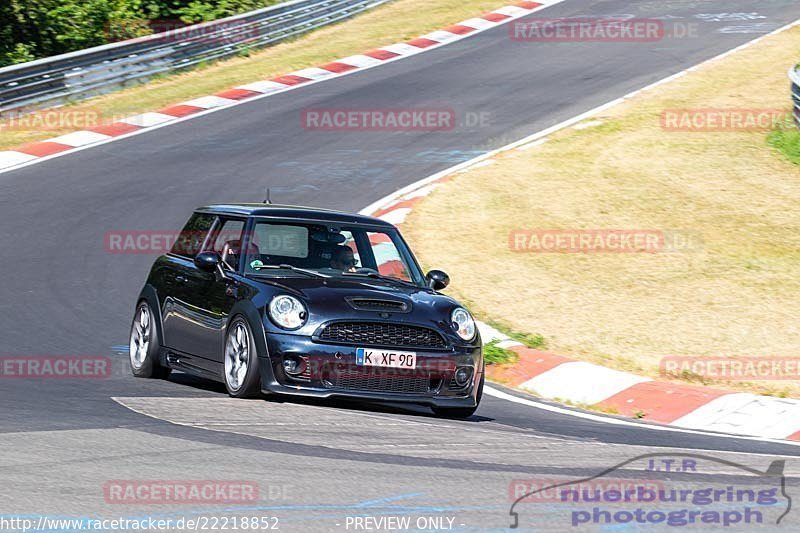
pixel 343 259
pixel 231 252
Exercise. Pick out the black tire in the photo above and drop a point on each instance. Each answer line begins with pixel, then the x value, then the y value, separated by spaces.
pixel 145 345
pixel 247 383
pixel 461 412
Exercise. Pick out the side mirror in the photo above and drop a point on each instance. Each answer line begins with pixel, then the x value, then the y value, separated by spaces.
pixel 437 280
pixel 208 261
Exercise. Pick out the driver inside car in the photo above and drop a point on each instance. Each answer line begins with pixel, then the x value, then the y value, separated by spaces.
pixel 343 259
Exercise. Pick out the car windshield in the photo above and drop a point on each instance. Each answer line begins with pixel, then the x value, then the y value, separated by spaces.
pixel 288 248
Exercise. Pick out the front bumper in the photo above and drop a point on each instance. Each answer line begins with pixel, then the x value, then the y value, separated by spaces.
pixel 331 372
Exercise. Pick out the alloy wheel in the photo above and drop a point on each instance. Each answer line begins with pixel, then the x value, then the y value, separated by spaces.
pixel 237 356
pixel 139 345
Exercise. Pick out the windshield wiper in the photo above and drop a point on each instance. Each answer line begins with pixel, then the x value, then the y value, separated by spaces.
pixel 292 268
pixel 379 276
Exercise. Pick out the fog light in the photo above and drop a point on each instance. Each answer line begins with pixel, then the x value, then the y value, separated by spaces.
pixel 463 375
pixel 293 366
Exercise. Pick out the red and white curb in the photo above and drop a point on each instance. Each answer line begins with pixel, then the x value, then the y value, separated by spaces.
pixel 79 140
pixel 693 408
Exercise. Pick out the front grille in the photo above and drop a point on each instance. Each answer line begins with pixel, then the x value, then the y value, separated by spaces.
pixel 380 334
pixel 380 380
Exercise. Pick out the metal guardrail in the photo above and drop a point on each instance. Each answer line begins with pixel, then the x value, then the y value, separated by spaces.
pixel 794 75
pixel 110 67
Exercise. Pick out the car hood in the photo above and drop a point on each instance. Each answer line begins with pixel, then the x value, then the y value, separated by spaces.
pixel 322 290
pixel 333 298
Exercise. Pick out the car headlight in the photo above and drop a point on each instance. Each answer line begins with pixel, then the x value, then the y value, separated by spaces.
pixel 287 311
pixel 463 323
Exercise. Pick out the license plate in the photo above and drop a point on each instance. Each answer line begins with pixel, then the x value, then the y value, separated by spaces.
pixel 386 358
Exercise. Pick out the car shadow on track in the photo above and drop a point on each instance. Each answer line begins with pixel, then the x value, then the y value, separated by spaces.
pixel 348 405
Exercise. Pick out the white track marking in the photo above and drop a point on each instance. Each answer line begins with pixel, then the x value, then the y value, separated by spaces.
pixel 509 344
pixel 146 120
pixel 359 61
pixel 477 23
pixel 10 158
pixel 489 334
pixel 441 36
pixel 396 216
pixel 581 382
pixel 619 422
pixel 404 49
pixel 209 102
pixel 80 138
pixel 511 11
pixel 422 192
pixel 313 73
pixel 264 87
pixel 746 413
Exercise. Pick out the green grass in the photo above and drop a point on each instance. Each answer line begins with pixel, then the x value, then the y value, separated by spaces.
pixel 493 354
pixel 531 340
pixel 787 141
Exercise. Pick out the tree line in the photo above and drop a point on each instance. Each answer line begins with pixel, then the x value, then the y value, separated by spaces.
pixel 32 29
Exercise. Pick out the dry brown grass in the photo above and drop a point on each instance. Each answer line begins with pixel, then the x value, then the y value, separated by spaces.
pixel 398 21
pixel 737 294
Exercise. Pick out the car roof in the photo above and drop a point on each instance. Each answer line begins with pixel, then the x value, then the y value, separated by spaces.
pixel 292 211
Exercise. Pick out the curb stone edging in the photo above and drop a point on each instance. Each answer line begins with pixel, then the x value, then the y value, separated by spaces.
pixel 38 151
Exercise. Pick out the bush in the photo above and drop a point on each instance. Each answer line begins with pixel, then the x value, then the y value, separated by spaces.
pixel 20 54
pixel 31 29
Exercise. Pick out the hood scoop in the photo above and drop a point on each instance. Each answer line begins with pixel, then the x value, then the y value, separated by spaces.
pixel 380 305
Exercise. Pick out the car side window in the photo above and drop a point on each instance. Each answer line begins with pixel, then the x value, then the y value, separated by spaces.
pixel 191 238
pixel 227 241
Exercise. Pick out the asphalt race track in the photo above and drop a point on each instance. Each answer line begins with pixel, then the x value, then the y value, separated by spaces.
pixel 316 463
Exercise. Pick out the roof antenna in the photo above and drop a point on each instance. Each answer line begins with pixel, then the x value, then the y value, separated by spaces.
pixel 268 200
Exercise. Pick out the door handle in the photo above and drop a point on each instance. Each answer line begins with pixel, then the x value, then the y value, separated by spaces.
pixel 181 279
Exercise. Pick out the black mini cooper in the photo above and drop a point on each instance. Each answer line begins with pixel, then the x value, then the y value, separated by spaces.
pixel 309 302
